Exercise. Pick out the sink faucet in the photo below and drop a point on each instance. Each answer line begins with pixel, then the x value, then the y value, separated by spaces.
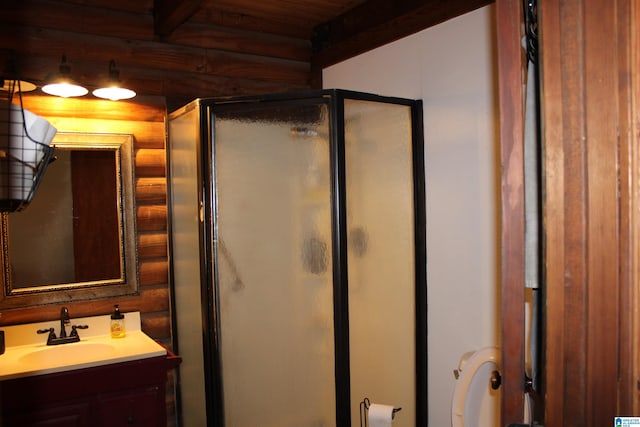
pixel 65 319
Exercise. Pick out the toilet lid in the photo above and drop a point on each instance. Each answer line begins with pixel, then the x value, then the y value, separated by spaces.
pixel 475 403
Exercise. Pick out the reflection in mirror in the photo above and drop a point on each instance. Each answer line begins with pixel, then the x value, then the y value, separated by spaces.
pixel 76 240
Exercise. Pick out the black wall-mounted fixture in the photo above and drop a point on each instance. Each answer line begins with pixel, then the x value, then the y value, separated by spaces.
pixel 62 84
pixel 113 89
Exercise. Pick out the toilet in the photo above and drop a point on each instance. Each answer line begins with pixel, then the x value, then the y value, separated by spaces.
pixel 475 402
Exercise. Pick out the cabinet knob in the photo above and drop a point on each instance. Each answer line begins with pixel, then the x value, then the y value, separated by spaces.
pixel 131 419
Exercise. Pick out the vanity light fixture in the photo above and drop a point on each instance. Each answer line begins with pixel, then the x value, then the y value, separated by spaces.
pixel 113 89
pixel 10 80
pixel 14 85
pixel 61 83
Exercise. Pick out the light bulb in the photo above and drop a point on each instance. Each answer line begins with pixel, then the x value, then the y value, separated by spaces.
pixel 65 90
pixel 112 90
pixel 114 93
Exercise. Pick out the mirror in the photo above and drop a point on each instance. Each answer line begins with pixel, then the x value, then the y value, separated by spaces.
pixel 76 240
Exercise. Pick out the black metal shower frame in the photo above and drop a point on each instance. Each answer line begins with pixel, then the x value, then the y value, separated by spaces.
pixel 335 99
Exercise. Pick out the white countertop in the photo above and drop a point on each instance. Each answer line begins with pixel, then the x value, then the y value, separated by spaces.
pixel 27 354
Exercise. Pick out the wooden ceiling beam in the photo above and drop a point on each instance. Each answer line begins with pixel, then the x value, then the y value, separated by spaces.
pixel 378 22
pixel 170 14
pixel 32 43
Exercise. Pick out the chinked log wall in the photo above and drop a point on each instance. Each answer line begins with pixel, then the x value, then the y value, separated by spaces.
pixel 196 60
pixel 144 119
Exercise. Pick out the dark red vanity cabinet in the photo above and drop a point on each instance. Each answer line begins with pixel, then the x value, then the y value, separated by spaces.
pixel 121 394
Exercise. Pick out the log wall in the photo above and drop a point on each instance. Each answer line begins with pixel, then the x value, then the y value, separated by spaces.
pixel 145 120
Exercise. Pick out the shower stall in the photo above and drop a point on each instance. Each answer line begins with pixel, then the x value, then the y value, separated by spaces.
pixel 298 265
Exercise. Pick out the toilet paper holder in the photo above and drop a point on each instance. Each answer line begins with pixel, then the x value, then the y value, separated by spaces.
pixel 364 408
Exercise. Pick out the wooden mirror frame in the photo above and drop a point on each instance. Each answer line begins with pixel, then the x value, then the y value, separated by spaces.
pixel 127 283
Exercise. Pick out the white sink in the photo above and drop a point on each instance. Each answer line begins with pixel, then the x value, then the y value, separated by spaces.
pixel 71 353
pixel 27 354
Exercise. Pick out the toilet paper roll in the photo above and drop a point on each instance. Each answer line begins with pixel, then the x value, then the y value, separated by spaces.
pixel 380 415
pixel 29 135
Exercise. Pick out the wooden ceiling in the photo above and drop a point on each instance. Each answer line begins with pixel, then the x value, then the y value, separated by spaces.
pixel 183 49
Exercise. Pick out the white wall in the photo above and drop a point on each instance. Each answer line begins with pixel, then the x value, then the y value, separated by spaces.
pixel 452 68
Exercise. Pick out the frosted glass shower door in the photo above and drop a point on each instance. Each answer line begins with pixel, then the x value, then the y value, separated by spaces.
pixel 274 266
pixel 381 253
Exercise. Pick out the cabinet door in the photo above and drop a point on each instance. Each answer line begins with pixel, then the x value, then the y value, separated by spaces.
pixel 74 414
pixel 144 407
